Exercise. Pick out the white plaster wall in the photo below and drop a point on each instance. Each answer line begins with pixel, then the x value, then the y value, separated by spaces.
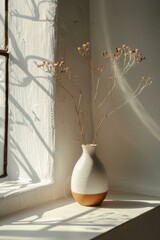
pixel 31 93
pixel 73 31
pixel 40 147
pixel 129 141
pixel 42 121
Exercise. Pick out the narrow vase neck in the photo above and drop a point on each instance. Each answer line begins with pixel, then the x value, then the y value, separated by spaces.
pixel 89 148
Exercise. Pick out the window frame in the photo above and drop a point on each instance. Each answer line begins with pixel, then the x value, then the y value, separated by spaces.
pixel 4 52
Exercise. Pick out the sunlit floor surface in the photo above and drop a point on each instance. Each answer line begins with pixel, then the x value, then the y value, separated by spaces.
pixel 66 219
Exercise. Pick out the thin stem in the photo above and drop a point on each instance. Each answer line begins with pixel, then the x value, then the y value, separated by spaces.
pixel 100 124
pixel 138 90
pixel 109 93
pixel 77 113
pixel 135 94
pixel 97 88
pixel 79 100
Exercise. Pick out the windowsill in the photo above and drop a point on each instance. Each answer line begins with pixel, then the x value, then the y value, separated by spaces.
pixel 19 195
pixel 66 219
pixel 9 187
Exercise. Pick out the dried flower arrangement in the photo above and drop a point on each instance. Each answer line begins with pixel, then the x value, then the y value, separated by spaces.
pixel 122 59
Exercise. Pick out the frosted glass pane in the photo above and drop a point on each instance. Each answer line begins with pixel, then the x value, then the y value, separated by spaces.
pixel 2 30
pixel 2 110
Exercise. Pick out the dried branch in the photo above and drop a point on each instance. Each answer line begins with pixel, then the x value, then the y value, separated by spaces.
pixel 123 58
pixel 62 69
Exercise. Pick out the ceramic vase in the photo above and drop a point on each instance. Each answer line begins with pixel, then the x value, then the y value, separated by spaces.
pixel 89 183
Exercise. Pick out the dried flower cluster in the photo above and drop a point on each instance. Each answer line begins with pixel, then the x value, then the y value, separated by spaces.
pixel 84 49
pixel 51 67
pixel 122 60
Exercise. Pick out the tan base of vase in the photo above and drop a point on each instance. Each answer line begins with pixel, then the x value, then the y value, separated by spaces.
pixel 89 199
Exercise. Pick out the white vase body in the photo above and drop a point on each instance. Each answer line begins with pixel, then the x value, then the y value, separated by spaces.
pixel 89 183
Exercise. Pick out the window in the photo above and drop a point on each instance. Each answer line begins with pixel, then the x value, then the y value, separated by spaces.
pixel 4 56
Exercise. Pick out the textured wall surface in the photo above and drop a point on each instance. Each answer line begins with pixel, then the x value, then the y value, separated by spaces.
pixel 31 92
pixel 43 147
pixel 73 31
pixel 129 140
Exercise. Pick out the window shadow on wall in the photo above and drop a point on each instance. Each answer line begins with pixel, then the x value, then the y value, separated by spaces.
pixel 21 77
